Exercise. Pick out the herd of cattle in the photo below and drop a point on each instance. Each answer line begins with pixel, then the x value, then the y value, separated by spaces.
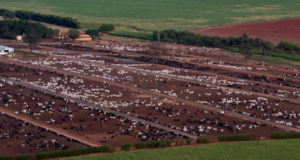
pixel 119 100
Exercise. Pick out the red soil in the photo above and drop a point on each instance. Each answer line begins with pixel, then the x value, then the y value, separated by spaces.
pixel 274 31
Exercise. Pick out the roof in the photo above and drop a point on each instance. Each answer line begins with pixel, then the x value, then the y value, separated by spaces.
pixel 6 48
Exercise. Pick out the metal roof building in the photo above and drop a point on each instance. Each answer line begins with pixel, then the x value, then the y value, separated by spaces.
pixel 6 50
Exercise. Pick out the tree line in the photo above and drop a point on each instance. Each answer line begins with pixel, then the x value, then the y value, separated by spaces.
pixel 7 14
pixel 51 19
pixel 242 44
pixel 104 28
pixel 9 29
pixel 33 32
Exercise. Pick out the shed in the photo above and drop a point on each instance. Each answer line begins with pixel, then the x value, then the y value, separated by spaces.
pixel 4 50
pixel 84 37
pixel 19 38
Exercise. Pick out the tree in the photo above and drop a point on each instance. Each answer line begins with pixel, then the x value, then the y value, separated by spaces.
pixel 55 32
pixel 93 33
pixel 73 34
pixel 9 15
pixel 246 50
pixel 34 34
pixel 106 28
pixel 156 49
pixel 32 39
pixel 11 28
pixel 4 28
pixel 289 47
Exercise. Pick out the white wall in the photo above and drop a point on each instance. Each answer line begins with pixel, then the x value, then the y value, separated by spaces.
pixel 2 53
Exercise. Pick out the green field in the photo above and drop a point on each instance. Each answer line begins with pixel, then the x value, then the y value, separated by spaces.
pixel 254 150
pixel 162 14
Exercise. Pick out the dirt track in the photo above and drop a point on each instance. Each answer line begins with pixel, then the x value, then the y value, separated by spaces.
pixel 273 31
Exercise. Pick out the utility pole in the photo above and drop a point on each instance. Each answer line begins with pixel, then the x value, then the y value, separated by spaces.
pixel 158 36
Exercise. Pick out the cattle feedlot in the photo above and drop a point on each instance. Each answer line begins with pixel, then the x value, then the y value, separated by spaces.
pixel 159 80
pixel 95 98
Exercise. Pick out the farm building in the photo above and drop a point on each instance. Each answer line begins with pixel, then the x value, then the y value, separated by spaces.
pixel 84 37
pixel 19 38
pixel 4 50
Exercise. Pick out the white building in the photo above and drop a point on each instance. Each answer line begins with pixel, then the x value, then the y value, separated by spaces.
pixel 6 50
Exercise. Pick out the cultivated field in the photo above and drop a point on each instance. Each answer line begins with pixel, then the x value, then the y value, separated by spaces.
pixel 264 150
pixel 162 14
pixel 273 31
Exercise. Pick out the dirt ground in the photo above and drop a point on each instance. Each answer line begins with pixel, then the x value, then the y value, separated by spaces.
pixel 274 31
pixel 18 137
pixel 128 81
